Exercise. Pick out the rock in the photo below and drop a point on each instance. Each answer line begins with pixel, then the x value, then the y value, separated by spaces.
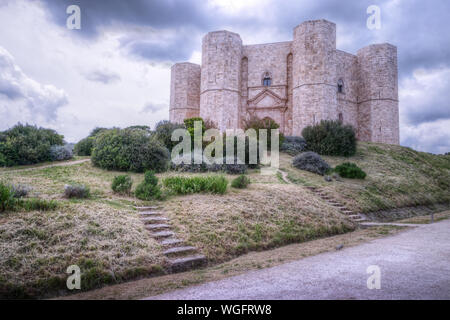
pixel 339 247
pixel 327 178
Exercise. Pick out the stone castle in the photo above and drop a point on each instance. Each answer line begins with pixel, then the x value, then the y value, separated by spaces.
pixel 296 83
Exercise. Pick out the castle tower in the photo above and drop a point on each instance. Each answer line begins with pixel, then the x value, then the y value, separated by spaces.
pixel 184 91
pixel 378 118
pixel 314 74
pixel 220 79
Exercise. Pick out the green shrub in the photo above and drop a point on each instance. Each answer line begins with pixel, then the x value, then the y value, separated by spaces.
pixel 26 144
pixel 331 138
pixel 122 184
pixel 84 147
pixel 186 185
pixel 129 150
pixel 76 191
pixel 312 162
pixel 149 188
pixel 240 182
pixel 6 197
pixel 350 170
pixel 189 124
pixel 163 132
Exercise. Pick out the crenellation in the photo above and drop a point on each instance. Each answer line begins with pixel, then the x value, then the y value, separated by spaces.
pixel 296 83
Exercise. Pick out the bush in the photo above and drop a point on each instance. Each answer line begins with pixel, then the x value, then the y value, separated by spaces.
pixel 122 184
pixel 76 191
pixel 350 170
pixel 266 123
pixel 129 150
pixel 148 189
pixel 20 190
pixel 84 147
pixel 26 144
pixel 331 138
pixel 186 185
pixel 6 197
pixel 240 182
pixel 312 162
pixel 59 153
pixel 163 132
pixel 293 145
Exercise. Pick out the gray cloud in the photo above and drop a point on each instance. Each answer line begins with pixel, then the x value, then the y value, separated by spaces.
pixel 18 87
pixel 154 107
pixel 103 76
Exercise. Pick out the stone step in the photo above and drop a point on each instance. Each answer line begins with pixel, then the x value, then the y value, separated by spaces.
pixel 159 226
pixel 150 213
pixel 186 263
pixel 360 220
pixel 146 208
pixel 162 234
pixel 354 216
pixel 179 250
pixel 171 242
pixel 154 219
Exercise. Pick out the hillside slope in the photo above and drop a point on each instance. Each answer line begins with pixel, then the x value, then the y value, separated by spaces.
pixel 396 177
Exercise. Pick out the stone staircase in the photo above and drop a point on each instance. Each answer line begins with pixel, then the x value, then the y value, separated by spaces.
pixel 356 217
pixel 181 257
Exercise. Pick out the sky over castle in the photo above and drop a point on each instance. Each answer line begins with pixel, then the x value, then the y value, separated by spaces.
pixel 115 71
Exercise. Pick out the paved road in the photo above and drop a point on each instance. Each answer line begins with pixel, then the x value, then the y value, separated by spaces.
pixel 414 264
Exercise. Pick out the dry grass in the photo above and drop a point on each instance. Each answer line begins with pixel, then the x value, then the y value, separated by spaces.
pixel 37 247
pixel 427 219
pixel 396 177
pixel 251 261
pixel 260 217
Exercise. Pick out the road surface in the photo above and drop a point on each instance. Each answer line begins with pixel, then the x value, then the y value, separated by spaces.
pixel 414 264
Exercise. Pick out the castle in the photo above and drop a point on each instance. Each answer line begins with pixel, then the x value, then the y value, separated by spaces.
pixel 296 83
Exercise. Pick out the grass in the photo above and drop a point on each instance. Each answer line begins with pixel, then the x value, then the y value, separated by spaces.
pixel 396 177
pixel 252 261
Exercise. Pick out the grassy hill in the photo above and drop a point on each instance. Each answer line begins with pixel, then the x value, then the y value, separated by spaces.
pixel 396 177
pixel 105 237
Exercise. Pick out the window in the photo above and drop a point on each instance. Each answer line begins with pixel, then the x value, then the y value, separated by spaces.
pixel 340 86
pixel 267 80
pixel 341 117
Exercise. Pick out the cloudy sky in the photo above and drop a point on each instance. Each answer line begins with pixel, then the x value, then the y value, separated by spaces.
pixel 115 70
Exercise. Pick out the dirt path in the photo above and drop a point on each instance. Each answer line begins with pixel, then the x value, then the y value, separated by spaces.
pixel 61 164
pixel 413 265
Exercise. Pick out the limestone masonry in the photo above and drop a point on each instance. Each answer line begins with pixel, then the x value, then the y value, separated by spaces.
pixel 296 83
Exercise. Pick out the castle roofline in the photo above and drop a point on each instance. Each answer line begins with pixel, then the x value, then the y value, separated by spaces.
pixel 314 21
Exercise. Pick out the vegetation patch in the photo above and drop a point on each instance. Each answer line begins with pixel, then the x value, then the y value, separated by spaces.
pixel 149 188
pixel 122 184
pixel 240 182
pixel 129 150
pixel 312 162
pixel 350 170
pixel 26 144
pixel 331 138
pixel 79 191
pixel 187 185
